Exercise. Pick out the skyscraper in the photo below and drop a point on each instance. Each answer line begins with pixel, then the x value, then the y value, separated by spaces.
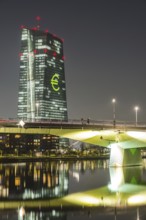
pixel 42 88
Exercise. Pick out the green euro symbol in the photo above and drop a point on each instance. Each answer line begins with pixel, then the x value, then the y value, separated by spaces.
pixel 55 82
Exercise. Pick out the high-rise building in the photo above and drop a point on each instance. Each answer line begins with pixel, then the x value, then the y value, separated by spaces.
pixel 42 88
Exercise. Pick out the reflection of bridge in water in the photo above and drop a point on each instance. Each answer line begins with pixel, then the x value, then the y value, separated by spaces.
pixel 126 189
pixel 47 185
pixel 125 140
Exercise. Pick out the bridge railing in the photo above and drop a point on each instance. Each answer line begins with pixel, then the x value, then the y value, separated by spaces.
pixel 118 123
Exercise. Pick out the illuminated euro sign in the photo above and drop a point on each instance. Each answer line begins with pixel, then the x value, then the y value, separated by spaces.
pixel 55 82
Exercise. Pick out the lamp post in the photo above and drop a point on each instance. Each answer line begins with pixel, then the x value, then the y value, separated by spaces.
pixel 37 108
pixel 136 108
pixel 114 111
pixel 21 123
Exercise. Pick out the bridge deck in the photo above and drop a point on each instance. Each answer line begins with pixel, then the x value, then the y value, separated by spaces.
pixel 97 133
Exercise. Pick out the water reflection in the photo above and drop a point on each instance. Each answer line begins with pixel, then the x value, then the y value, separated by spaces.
pixel 33 180
pixel 50 190
pixel 40 181
pixel 126 188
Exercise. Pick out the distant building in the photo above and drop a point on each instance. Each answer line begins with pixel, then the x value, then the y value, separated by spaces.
pixel 42 88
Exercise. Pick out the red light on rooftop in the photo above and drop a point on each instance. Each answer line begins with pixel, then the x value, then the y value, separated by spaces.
pixel 54 35
pixel 45 50
pixel 34 29
pixel 46 31
pixel 38 18
pixel 54 54
pixel 22 26
pixel 63 57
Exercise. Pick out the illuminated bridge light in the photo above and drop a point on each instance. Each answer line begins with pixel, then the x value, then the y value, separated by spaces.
pixel 82 135
pixel 137 200
pixel 90 200
pixel 83 199
pixel 137 135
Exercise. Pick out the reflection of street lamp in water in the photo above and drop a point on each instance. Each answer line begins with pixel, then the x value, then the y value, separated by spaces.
pixel 21 213
pixel 138 214
pixel 115 213
pixel 37 108
pixel 136 108
pixel 114 111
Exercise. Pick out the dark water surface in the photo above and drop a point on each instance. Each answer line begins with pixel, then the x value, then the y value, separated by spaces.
pixel 119 193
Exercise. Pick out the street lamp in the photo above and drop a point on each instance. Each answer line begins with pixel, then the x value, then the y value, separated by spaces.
pixel 21 123
pixel 114 111
pixel 136 108
pixel 37 108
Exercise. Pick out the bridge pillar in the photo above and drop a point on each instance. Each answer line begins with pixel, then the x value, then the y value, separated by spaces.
pixel 120 157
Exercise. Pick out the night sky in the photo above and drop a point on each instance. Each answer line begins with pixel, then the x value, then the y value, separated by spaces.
pixel 104 47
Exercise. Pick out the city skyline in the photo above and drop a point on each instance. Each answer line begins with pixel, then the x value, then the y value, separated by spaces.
pixel 105 54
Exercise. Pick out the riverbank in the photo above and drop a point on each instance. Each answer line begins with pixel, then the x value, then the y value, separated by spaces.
pixel 8 159
pixel 13 159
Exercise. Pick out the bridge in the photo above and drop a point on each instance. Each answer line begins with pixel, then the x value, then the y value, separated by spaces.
pixel 125 140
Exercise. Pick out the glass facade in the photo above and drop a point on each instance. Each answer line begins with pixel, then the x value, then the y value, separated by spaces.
pixel 42 89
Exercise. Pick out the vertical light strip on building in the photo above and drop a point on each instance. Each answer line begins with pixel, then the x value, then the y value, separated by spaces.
pixel 30 80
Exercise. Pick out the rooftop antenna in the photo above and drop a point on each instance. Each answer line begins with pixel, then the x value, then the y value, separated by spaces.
pixel 38 18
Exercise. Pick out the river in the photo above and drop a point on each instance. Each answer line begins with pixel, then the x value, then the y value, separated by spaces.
pixel 85 189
